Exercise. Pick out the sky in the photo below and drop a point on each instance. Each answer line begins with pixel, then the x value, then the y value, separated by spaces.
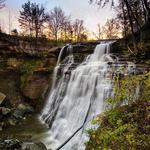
pixel 81 9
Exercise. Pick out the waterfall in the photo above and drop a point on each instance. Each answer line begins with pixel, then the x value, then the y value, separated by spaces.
pixel 77 96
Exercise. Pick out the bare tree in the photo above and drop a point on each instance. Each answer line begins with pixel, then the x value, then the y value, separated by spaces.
pixel 111 29
pixel 78 29
pixel 32 18
pixel 147 9
pixel 66 29
pixel 133 11
pixel 99 33
pixel 39 18
pixel 56 22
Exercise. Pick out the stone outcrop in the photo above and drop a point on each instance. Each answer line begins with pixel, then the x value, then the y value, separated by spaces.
pixel 34 146
pixel 13 116
pixel 35 87
pixel 14 144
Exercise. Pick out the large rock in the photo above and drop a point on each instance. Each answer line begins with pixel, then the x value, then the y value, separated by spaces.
pixel 9 86
pixel 2 98
pixel 35 87
pixel 10 144
pixel 27 108
pixel 23 110
pixel 5 111
pixel 35 146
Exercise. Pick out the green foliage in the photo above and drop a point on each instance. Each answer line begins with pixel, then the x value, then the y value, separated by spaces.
pixel 27 69
pixel 125 124
pixel 127 90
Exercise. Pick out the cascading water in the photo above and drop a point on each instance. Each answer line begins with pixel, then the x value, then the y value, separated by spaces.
pixel 77 97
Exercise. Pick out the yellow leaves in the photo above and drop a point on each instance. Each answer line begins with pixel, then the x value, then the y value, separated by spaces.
pixel 93 136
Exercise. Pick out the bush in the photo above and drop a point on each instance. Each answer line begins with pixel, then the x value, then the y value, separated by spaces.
pixel 125 124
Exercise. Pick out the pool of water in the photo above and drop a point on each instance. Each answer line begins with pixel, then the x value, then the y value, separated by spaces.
pixel 31 129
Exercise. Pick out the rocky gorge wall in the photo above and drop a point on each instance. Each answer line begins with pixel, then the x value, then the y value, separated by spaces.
pixel 26 68
pixel 26 80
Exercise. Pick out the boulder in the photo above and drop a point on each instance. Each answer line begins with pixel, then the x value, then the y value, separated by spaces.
pixel 34 88
pixel 18 114
pixel 5 111
pixel 12 121
pixel 27 109
pixel 2 98
pixel 10 144
pixel 22 110
pixel 34 146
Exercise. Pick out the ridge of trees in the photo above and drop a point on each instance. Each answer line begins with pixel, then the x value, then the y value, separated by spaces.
pixel 35 22
pixel 132 15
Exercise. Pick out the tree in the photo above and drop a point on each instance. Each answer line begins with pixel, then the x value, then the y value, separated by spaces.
pixel 32 18
pixel 66 30
pixel 98 34
pixel 78 29
pixel 132 14
pixel 146 5
pixel 62 28
pixel 111 29
pixel 56 21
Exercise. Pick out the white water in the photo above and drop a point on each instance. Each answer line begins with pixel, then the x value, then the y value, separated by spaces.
pixel 77 98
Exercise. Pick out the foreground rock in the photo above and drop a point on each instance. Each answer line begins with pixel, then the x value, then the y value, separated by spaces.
pixel 11 116
pixel 10 144
pixel 14 144
pixel 23 110
pixel 34 146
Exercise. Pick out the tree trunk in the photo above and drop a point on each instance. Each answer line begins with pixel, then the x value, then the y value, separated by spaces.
pixel 131 25
pixel 144 11
pixel 124 20
pixel 147 9
pixel 132 14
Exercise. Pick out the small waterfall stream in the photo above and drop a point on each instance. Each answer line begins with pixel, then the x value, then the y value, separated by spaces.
pixel 78 95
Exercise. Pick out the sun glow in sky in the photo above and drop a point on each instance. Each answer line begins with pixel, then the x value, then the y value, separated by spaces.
pixel 81 9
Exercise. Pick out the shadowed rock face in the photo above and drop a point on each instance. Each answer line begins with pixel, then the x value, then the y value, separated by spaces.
pixel 36 86
pixel 36 79
pixel 8 80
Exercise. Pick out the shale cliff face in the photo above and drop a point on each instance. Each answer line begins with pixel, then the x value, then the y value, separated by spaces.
pixel 26 82
pixel 26 66
pixel 26 70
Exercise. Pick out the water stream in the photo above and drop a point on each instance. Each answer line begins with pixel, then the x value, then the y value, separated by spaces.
pixel 78 95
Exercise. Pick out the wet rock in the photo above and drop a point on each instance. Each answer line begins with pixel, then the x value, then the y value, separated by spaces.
pixel 12 121
pixel 5 111
pixel 35 87
pixel 26 108
pixel 10 144
pixel 22 110
pixel 2 98
pixel 18 114
pixel 35 146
